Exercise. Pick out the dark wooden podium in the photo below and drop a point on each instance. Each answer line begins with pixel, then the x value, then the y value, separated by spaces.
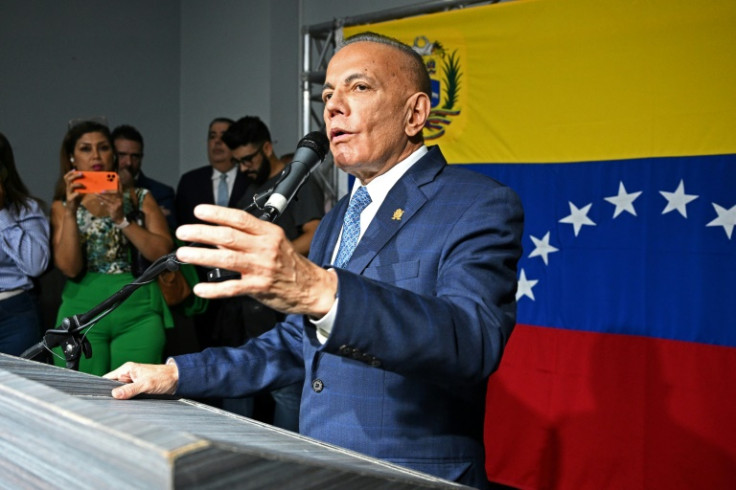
pixel 62 429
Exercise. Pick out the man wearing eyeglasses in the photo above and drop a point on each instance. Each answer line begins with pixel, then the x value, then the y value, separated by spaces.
pixel 250 145
pixel 219 183
pixel 129 150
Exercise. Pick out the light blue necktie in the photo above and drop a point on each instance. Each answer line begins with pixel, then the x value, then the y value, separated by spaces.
pixel 351 226
pixel 222 197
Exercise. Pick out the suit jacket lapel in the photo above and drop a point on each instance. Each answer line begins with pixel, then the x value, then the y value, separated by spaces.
pixel 400 205
pixel 208 195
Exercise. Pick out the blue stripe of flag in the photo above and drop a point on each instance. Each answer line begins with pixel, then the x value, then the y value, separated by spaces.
pixel 664 266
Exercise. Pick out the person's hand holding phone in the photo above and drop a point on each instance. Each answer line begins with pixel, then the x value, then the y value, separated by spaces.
pixel 73 186
pixel 105 185
pixel 108 190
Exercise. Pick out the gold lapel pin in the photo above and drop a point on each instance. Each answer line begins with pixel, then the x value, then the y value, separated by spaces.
pixel 398 214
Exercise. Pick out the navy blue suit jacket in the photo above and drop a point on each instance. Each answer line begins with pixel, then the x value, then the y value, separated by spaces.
pixel 163 194
pixel 195 187
pixel 426 306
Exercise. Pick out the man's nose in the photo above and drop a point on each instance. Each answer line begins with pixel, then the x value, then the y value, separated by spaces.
pixel 335 104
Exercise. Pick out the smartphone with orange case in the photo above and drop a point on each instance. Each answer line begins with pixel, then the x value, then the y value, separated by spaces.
pixel 96 182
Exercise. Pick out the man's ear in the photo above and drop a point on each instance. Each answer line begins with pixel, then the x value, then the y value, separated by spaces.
pixel 417 113
pixel 268 148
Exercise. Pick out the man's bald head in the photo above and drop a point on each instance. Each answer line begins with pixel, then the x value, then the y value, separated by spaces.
pixel 414 64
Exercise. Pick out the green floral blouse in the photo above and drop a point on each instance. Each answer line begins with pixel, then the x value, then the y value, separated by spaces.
pixel 105 247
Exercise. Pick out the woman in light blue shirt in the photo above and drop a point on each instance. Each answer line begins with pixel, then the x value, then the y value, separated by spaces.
pixel 24 254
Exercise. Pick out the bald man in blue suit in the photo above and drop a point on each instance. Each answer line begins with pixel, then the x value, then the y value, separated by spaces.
pixel 396 345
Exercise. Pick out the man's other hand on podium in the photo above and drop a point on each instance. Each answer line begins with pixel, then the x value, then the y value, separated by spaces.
pixel 152 379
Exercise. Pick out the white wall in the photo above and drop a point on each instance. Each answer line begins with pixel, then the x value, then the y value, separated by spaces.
pixel 168 67
pixel 225 48
pixel 79 58
pixel 239 57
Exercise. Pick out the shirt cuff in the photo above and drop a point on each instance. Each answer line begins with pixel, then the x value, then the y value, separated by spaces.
pixel 324 325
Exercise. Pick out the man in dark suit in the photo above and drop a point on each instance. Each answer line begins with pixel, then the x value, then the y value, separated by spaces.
pixel 203 185
pixel 220 182
pixel 397 341
pixel 128 143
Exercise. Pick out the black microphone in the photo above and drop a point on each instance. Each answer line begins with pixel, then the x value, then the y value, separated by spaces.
pixel 310 152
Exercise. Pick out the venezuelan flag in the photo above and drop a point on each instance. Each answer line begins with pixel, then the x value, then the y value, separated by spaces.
pixel 616 124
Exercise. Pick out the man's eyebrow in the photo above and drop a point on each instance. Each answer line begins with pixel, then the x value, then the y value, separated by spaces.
pixel 348 79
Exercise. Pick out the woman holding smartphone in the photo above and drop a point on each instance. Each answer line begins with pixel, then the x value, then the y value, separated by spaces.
pixel 92 240
pixel 24 254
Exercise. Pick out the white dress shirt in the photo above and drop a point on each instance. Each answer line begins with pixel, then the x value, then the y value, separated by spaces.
pixel 378 188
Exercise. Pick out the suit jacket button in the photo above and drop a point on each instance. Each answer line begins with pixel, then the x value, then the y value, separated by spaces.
pixel 345 350
pixel 318 385
pixel 375 362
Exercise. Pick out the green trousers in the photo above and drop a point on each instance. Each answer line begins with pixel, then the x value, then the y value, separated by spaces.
pixel 134 331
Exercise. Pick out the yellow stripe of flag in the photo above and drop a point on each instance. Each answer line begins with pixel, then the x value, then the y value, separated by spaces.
pixel 574 80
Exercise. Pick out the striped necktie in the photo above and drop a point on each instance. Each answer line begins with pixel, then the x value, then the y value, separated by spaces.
pixel 222 197
pixel 351 226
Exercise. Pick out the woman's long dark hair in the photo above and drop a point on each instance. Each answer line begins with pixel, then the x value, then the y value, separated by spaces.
pixel 16 192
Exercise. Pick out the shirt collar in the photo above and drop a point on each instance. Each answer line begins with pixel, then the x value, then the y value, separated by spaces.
pixel 380 186
pixel 230 173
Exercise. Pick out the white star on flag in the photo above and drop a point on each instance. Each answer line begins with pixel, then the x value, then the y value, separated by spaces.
pixel 578 217
pixel 524 286
pixel 678 200
pixel 623 201
pixel 726 218
pixel 542 248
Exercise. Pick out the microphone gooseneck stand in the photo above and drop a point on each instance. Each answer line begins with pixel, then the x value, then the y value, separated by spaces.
pixel 70 334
